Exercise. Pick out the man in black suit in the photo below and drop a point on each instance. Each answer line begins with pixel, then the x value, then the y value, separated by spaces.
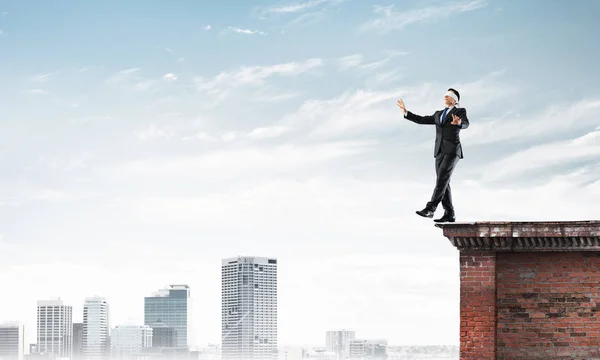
pixel 448 123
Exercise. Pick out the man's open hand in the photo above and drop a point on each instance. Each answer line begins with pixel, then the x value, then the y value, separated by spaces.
pixel 455 120
pixel 401 105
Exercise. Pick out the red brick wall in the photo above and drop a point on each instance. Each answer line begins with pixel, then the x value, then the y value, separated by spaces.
pixel 548 305
pixel 477 305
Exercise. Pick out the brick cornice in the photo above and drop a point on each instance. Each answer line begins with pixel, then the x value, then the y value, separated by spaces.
pixel 524 235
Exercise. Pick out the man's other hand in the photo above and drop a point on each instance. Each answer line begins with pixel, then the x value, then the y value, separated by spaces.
pixel 455 120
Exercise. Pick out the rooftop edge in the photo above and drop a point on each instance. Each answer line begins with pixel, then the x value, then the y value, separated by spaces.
pixel 582 235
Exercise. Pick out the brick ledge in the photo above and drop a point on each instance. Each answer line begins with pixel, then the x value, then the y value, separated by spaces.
pixel 524 235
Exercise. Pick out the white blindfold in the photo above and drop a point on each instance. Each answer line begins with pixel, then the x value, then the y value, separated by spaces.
pixel 452 95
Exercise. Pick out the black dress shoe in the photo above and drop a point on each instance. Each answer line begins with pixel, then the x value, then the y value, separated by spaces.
pixel 448 217
pixel 426 212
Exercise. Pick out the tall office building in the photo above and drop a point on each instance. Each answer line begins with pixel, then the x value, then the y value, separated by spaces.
pixel 12 341
pixel 96 333
pixel 170 307
pixel 163 336
pixel 77 341
pixel 54 328
pixel 249 308
pixel 336 341
pixel 128 341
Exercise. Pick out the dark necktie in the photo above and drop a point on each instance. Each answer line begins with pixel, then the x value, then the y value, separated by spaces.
pixel 444 116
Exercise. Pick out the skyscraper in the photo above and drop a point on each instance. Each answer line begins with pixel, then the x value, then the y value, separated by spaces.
pixel 12 341
pixel 96 334
pixel 249 308
pixel 54 328
pixel 170 307
pixel 337 339
pixel 163 336
pixel 77 341
pixel 129 340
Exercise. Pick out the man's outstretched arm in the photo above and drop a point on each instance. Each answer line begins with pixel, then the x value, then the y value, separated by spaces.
pixel 422 120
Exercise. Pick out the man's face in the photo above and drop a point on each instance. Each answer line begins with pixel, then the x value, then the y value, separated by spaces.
pixel 448 100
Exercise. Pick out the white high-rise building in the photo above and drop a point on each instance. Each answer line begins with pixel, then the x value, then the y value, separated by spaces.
pixel 96 334
pixel 249 308
pixel 336 341
pixel 130 340
pixel 12 341
pixel 54 328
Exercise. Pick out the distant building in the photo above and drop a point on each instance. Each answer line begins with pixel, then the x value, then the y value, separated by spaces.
pixel 212 352
pixel 54 328
pixel 96 329
pixel 163 336
pixel 290 353
pixel 317 353
pixel 249 308
pixel 130 340
pixel 77 341
pixel 366 349
pixel 12 341
pixel 336 341
pixel 170 307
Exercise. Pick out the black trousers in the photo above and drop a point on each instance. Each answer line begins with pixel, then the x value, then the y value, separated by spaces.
pixel 444 166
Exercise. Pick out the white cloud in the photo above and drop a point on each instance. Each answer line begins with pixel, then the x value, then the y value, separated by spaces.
pixel 268 132
pixel 36 92
pixel 300 6
pixel 130 79
pixel 350 61
pixel 586 147
pixel 246 31
pixel 355 113
pixel 305 13
pixel 227 82
pixel 202 136
pixel 390 20
pixel 152 132
pixel 90 119
pixel 357 61
pixel 42 77
pixel 227 163
pixel 207 27
pixel 71 163
pixel 555 119
pixel 170 77
pixel 275 96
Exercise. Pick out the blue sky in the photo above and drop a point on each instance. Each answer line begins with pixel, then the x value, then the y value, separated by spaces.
pixel 141 142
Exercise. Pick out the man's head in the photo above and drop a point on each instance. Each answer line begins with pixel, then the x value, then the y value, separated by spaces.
pixel 452 97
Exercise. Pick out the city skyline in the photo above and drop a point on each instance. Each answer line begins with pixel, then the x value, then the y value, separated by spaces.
pixel 142 142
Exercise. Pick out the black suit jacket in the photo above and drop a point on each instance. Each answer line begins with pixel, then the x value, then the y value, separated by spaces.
pixel 447 140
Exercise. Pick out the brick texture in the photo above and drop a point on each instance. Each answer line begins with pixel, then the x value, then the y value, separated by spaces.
pixel 528 290
pixel 477 305
pixel 548 305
